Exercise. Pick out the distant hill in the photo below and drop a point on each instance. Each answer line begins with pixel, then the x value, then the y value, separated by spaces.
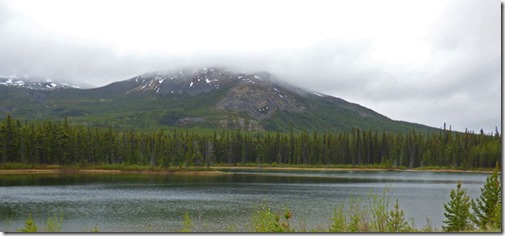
pixel 31 83
pixel 196 98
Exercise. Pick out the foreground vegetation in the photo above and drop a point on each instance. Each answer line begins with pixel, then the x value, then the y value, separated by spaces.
pixel 374 213
pixel 58 143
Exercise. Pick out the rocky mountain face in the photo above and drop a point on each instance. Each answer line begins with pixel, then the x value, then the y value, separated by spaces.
pixel 200 98
pixel 255 94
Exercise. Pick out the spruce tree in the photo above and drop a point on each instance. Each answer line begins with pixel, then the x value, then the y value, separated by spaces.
pixel 396 220
pixel 485 207
pixel 457 211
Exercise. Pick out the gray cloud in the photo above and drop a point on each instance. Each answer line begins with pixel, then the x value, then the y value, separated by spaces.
pixel 460 84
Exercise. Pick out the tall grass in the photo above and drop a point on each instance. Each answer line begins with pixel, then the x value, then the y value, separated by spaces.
pixel 371 214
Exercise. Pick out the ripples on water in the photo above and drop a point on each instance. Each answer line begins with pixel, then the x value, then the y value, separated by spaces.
pixel 128 202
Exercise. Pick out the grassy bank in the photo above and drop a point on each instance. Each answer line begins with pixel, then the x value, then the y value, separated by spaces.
pixel 23 168
pixel 20 168
pixel 339 167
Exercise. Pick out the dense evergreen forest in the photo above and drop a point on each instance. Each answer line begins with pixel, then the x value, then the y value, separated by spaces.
pixel 63 144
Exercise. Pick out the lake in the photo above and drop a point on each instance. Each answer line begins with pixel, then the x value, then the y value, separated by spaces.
pixel 142 202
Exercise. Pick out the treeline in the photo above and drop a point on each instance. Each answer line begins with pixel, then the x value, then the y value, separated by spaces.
pixel 60 143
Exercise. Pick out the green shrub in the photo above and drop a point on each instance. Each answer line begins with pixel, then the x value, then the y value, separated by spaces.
pixel 30 226
pixel 187 224
pixel 53 223
pixel 339 220
pixel 265 220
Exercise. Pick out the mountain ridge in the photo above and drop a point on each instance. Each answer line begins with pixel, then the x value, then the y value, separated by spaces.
pixel 33 83
pixel 208 97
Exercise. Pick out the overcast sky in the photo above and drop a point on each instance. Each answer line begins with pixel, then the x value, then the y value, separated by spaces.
pixel 423 61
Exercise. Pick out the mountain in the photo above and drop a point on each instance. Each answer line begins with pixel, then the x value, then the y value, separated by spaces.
pixel 36 84
pixel 199 98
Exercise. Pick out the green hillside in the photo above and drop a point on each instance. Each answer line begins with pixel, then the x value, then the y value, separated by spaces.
pixel 202 98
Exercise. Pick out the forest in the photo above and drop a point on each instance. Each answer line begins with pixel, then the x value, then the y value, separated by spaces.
pixel 59 143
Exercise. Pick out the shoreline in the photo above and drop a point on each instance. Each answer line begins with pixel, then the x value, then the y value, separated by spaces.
pixel 109 171
pixel 215 170
pixel 352 169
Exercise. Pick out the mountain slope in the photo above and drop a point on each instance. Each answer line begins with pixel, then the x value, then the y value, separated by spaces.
pixel 201 98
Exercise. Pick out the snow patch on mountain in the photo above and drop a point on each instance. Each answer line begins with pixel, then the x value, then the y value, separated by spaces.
pixel 29 83
pixel 192 81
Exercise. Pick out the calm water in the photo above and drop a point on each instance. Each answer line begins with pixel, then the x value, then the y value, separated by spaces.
pixel 128 202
